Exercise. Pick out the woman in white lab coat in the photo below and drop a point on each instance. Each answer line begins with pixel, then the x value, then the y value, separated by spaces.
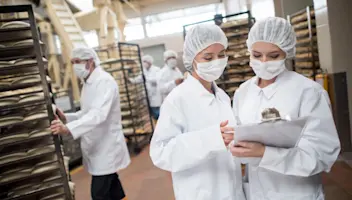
pixel 192 134
pixel 279 173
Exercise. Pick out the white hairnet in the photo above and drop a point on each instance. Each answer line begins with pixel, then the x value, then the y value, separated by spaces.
pixel 85 53
pixel 148 58
pixel 199 38
pixel 274 30
pixel 169 53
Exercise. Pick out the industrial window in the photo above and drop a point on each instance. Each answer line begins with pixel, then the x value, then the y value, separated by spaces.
pixel 91 38
pixel 173 22
pixel 134 29
pixel 262 9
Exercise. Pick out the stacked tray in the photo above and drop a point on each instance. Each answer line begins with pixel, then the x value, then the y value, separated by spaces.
pixel 29 159
pixel 134 106
pixel 238 69
pixel 136 121
pixel 307 58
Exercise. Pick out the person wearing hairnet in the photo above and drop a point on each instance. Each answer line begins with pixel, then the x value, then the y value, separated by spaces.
pixel 191 137
pixel 98 125
pixel 150 72
pixel 170 76
pixel 284 173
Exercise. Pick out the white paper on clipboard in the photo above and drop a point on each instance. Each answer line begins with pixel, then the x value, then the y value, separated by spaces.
pixel 283 134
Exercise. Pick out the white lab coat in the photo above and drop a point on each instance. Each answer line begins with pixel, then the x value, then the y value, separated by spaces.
pixel 98 125
pixel 187 142
pixel 166 80
pixel 151 76
pixel 290 174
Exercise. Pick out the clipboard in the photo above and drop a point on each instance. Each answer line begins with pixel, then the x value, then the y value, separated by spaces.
pixel 281 133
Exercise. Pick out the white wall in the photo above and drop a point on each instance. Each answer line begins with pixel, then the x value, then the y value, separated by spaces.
pixel 259 8
pixel 292 6
pixel 166 6
pixel 172 41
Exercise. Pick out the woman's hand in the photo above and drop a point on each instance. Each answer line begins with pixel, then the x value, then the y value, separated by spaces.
pixel 248 149
pixel 227 132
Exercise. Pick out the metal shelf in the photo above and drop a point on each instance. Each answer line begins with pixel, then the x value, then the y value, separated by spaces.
pixel 6 30
pixel 35 51
pixel 27 158
pixel 308 40
pixel 26 196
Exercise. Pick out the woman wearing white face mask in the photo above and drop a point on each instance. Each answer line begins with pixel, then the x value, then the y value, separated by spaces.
pixel 192 133
pixel 280 173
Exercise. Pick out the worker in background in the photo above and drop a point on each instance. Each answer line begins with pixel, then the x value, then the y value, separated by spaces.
pixel 195 124
pixel 150 72
pixel 98 125
pixel 169 76
pixel 284 173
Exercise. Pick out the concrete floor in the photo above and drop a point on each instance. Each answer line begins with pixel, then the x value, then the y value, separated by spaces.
pixel 142 181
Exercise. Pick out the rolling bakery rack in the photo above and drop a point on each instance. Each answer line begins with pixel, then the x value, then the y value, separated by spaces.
pixel 307 58
pixel 236 28
pixel 31 159
pixel 136 119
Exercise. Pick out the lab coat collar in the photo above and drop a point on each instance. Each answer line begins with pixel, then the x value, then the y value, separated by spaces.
pixel 94 75
pixel 200 91
pixel 270 90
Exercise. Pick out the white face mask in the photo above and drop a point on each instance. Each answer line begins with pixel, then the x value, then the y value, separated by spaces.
pixel 211 71
pixel 80 70
pixel 267 70
pixel 172 63
pixel 146 65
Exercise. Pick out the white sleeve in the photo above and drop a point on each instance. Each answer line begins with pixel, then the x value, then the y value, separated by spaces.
pixel 153 78
pixel 137 79
pixel 166 86
pixel 73 116
pixel 319 146
pixel 174 150
pixel 237 101
pixel 105 95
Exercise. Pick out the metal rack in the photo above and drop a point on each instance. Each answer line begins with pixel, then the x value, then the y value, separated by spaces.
pixel 236 29
pixel 31 160
pixel 136 119
pixel 307 58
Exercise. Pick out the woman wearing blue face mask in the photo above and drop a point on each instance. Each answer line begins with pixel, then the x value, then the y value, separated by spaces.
pixel 284 173
pixel 192 134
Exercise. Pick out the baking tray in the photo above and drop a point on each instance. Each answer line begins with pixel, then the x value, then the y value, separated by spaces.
pixel 238 70
pixel 306 41
pixel 29 176
pixel 302 17
pixel 36 192
pixel 303 25
pixel 239 61
pixel 23 105
pixel 307 64
pixel 36 143
pixel 25 122
pixel 29 139
pixel 305 33
pixel 234 24
pixel 9 53
pixel 16 68
pixel 20 86
pixel 31 90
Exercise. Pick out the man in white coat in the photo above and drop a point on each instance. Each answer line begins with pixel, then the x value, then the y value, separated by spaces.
pixel 98 125
pixel 150 74
pixel 170 76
